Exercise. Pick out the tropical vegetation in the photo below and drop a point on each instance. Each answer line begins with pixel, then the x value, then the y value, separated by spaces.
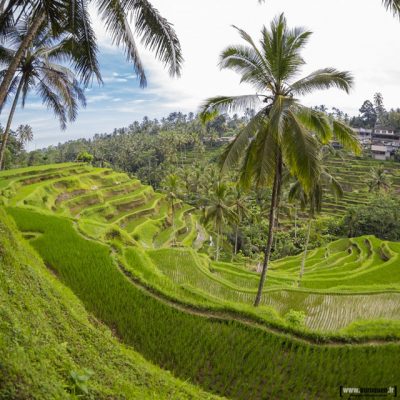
pixel 283 134
pixel 150 247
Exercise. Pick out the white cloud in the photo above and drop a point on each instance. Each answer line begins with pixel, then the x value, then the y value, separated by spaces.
pixel 111 79
pixel 98 97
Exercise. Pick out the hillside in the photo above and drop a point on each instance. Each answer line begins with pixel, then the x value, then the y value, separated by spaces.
pixel 108 238
pixel 354 174
pixel 50 345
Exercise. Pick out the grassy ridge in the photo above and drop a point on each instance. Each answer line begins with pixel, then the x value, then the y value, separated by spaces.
pixel 46 336
pixel 236 360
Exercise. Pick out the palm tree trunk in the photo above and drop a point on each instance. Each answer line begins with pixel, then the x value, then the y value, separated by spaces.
pixel 303 261
pixel 236 239
pixel 26 42
pixel 217 254
pixel 173 221
pixel 295 222
pixel 272 217
pixel 6 133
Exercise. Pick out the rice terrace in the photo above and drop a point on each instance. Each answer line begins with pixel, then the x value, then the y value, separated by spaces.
pixel 246 250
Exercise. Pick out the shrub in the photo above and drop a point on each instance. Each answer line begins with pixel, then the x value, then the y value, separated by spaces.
pixel 381 217
pixel 295 319
pixel 84 156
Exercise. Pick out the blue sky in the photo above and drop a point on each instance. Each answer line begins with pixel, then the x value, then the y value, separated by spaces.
pixel 357 35
pixel 116 103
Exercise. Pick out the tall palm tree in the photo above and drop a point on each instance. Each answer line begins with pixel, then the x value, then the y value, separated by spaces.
pixel 283 133
pixel 219 212
pixel 154 31
pixel 172 189
pixel 241 211
pixel 38 69
pixel 313 200
pixel 24 134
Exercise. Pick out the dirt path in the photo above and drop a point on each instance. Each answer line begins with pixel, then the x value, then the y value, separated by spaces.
pixel 201 237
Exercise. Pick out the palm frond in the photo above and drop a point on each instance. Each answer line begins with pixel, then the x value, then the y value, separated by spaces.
pixel 300 152
pixel 260 161
pixel 82 46
pixel 333 184
pixel 52 101
pixel 316 122
pixel 114 15
pixel 6 55
pixel 278 114
pixel 235 150
pixel 281 48
pixel 223 104
pixel 157 35
pixel 323 79
pixel 7 15
pixel 393 6
pixel 296 193
pixel 80 52
pixel 246 61
pixel 346 136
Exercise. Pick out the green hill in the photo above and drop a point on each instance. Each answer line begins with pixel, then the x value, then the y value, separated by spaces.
pixel 108 239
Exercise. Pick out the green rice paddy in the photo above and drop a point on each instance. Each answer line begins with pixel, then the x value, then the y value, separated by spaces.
pixel 109 239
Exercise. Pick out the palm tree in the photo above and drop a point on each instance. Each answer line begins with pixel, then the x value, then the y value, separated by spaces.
pixel 219 212
pixel 313 200
pixel 241 211
pixel 172 188
pixel 283 133
pixel 55 84
pixel 25 134
pixel 379 181
pixel 154 31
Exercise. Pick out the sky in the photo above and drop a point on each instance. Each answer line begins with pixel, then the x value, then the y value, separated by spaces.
pixel 358 36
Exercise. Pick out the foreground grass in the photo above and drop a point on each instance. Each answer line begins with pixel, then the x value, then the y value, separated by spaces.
pixel 47 339
pixel 226 357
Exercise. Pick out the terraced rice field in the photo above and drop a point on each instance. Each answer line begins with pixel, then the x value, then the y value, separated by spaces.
pixel 354 173
pixel 109 239
pixel 102 200
pixel 341 283
pixel 227 357
pixel 346 281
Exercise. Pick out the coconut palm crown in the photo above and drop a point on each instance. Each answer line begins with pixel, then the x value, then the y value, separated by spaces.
pixel 283 133
pixel 150 28
pixel 41 69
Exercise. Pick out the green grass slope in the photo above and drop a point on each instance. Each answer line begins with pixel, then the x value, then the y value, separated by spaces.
pixel 48 341
pixel 223 355
pixel 108 239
